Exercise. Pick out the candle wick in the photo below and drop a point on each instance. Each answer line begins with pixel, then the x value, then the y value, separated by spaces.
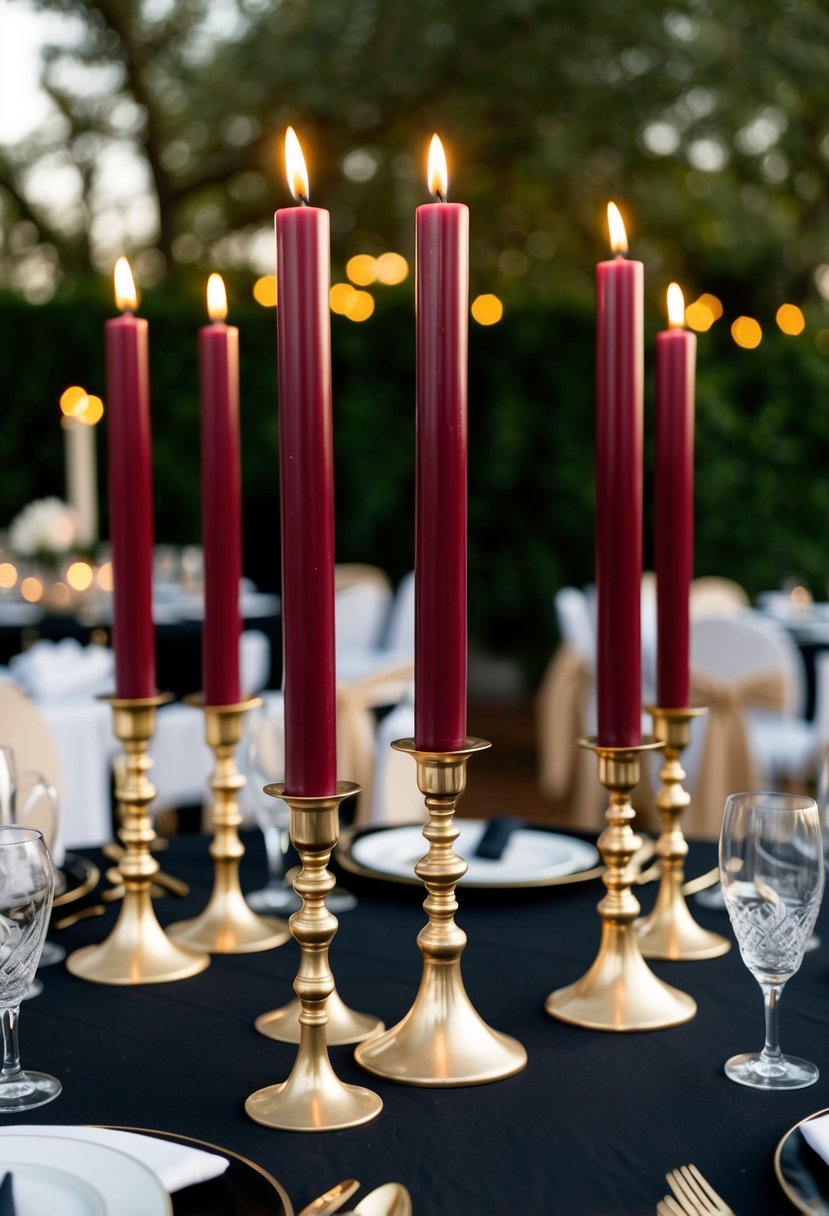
pixel 303 198
pixel 440 197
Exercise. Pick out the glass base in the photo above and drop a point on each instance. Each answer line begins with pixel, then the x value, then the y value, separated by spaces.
pixel 34 989
pixel 340 901
pixel 274 899
pixel 52 953
pixel 28 1090
pixel 712 898
pixel 785 1072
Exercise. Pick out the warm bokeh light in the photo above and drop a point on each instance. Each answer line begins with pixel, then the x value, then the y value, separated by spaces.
pixel 216 298
pixel 92 412
pixel 698 316
pixel 392 268
pixel 79 576
pixel 712 304
pixel 676 306
pixel 295 167
pixel 361 269
pixel 487 309
pixel 8 575
pixel 60 595
pixel 801 598
pixel 126 297
pixel 104 576
pixel 790 319
pixel 360 306
pixel 264 291
pixel 437 174
pixel 73 401
pixel 747 333
pixel 31 589
pixel 340 296
pixel 616 228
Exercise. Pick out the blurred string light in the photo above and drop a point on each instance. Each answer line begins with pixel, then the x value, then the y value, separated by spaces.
pixel 487 309
pixel 392 268
pixel 701 314
pixel 747 333
pixel 31 589
pixel 104 576
pixel 79 576
pixel 264 291
pixel 8 575
pixel 340 296
pixel 78 404
pixel 790 319
pixel 361 269
pixel 348 302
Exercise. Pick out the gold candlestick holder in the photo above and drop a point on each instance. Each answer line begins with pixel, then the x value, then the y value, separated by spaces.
pixel 313 1099
pixel 670 931
pixel 227 925
pixel 137 951
pixel 442 1040
pixel 620 992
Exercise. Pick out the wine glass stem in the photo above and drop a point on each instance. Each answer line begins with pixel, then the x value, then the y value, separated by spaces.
pixel 11 1052
pixel 771 1001
pixel 276 855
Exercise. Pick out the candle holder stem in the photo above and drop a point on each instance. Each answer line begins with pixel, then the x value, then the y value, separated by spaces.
pixel 670 931
pixel 313 1099
pixel 442 1040
pixel 620 992
pixel 227 925
pixel 137 951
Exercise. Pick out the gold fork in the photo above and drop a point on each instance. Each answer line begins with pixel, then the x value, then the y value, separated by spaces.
pixel 694 1196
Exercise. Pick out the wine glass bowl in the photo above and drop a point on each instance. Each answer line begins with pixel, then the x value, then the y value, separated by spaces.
pixel 27 886
pixel 772 875
pixel 263 763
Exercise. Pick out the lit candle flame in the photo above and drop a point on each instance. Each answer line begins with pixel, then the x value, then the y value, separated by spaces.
pixel 216 298
pixel 618 236
pixel 438 174
pixel 676 306
pixel 126 297
pixel 295 167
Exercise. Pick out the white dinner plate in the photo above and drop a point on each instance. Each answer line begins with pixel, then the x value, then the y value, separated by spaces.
pixel 75 1178
pixel 532 857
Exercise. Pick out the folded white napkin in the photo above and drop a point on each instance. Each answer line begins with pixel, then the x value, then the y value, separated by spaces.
pixel 816 1134
pixel 175 1165
pixel 54 671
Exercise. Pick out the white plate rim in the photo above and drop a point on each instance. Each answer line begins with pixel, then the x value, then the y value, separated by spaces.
pixel 166 1206
pixel 22 1166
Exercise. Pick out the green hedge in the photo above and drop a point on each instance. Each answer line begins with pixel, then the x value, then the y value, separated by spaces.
pixel 762 445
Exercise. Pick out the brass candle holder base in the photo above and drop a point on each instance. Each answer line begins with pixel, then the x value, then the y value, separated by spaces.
pixel 442 1040
pixel 620 992
pixel 345 1025
pixel 227 925
pixel 670 931
pixel 137 951
pixel 313 1099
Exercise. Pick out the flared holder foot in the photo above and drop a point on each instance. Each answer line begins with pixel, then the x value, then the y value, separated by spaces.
pixel 313 1099
pixel 442 1041
pixel 137 951
pixel 227 925
pixel 670 932
pixel 620 992
pixel 345 1026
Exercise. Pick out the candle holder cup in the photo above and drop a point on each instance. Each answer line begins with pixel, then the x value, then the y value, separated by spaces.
pixel 137 951
pixel 670 931
pixel 313 1099
pixel 620 992
pixel 442 1040
pixel 227 925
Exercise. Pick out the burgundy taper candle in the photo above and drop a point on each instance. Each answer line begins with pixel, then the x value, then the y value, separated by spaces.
pixel 130 493
pixel 676 352
pixel 442 255
pixel 619 375
pixel 221 501
pixel 307 489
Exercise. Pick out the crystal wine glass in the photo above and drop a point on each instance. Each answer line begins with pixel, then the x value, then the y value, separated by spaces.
pixel 27 885
pixel 771 869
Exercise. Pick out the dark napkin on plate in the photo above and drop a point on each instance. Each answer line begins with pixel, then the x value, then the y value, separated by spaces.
pixel 494 839
pixel 6 1196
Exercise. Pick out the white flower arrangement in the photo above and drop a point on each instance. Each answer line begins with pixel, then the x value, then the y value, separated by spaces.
pixel 46 527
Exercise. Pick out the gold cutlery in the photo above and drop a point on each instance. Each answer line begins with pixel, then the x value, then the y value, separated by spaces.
pixel 693 1195
pixel 332 1200
pixel 709 879
pixel 166 881
pixel 85 913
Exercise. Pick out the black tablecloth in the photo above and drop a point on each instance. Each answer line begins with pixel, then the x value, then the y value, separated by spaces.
pixel 589 1128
